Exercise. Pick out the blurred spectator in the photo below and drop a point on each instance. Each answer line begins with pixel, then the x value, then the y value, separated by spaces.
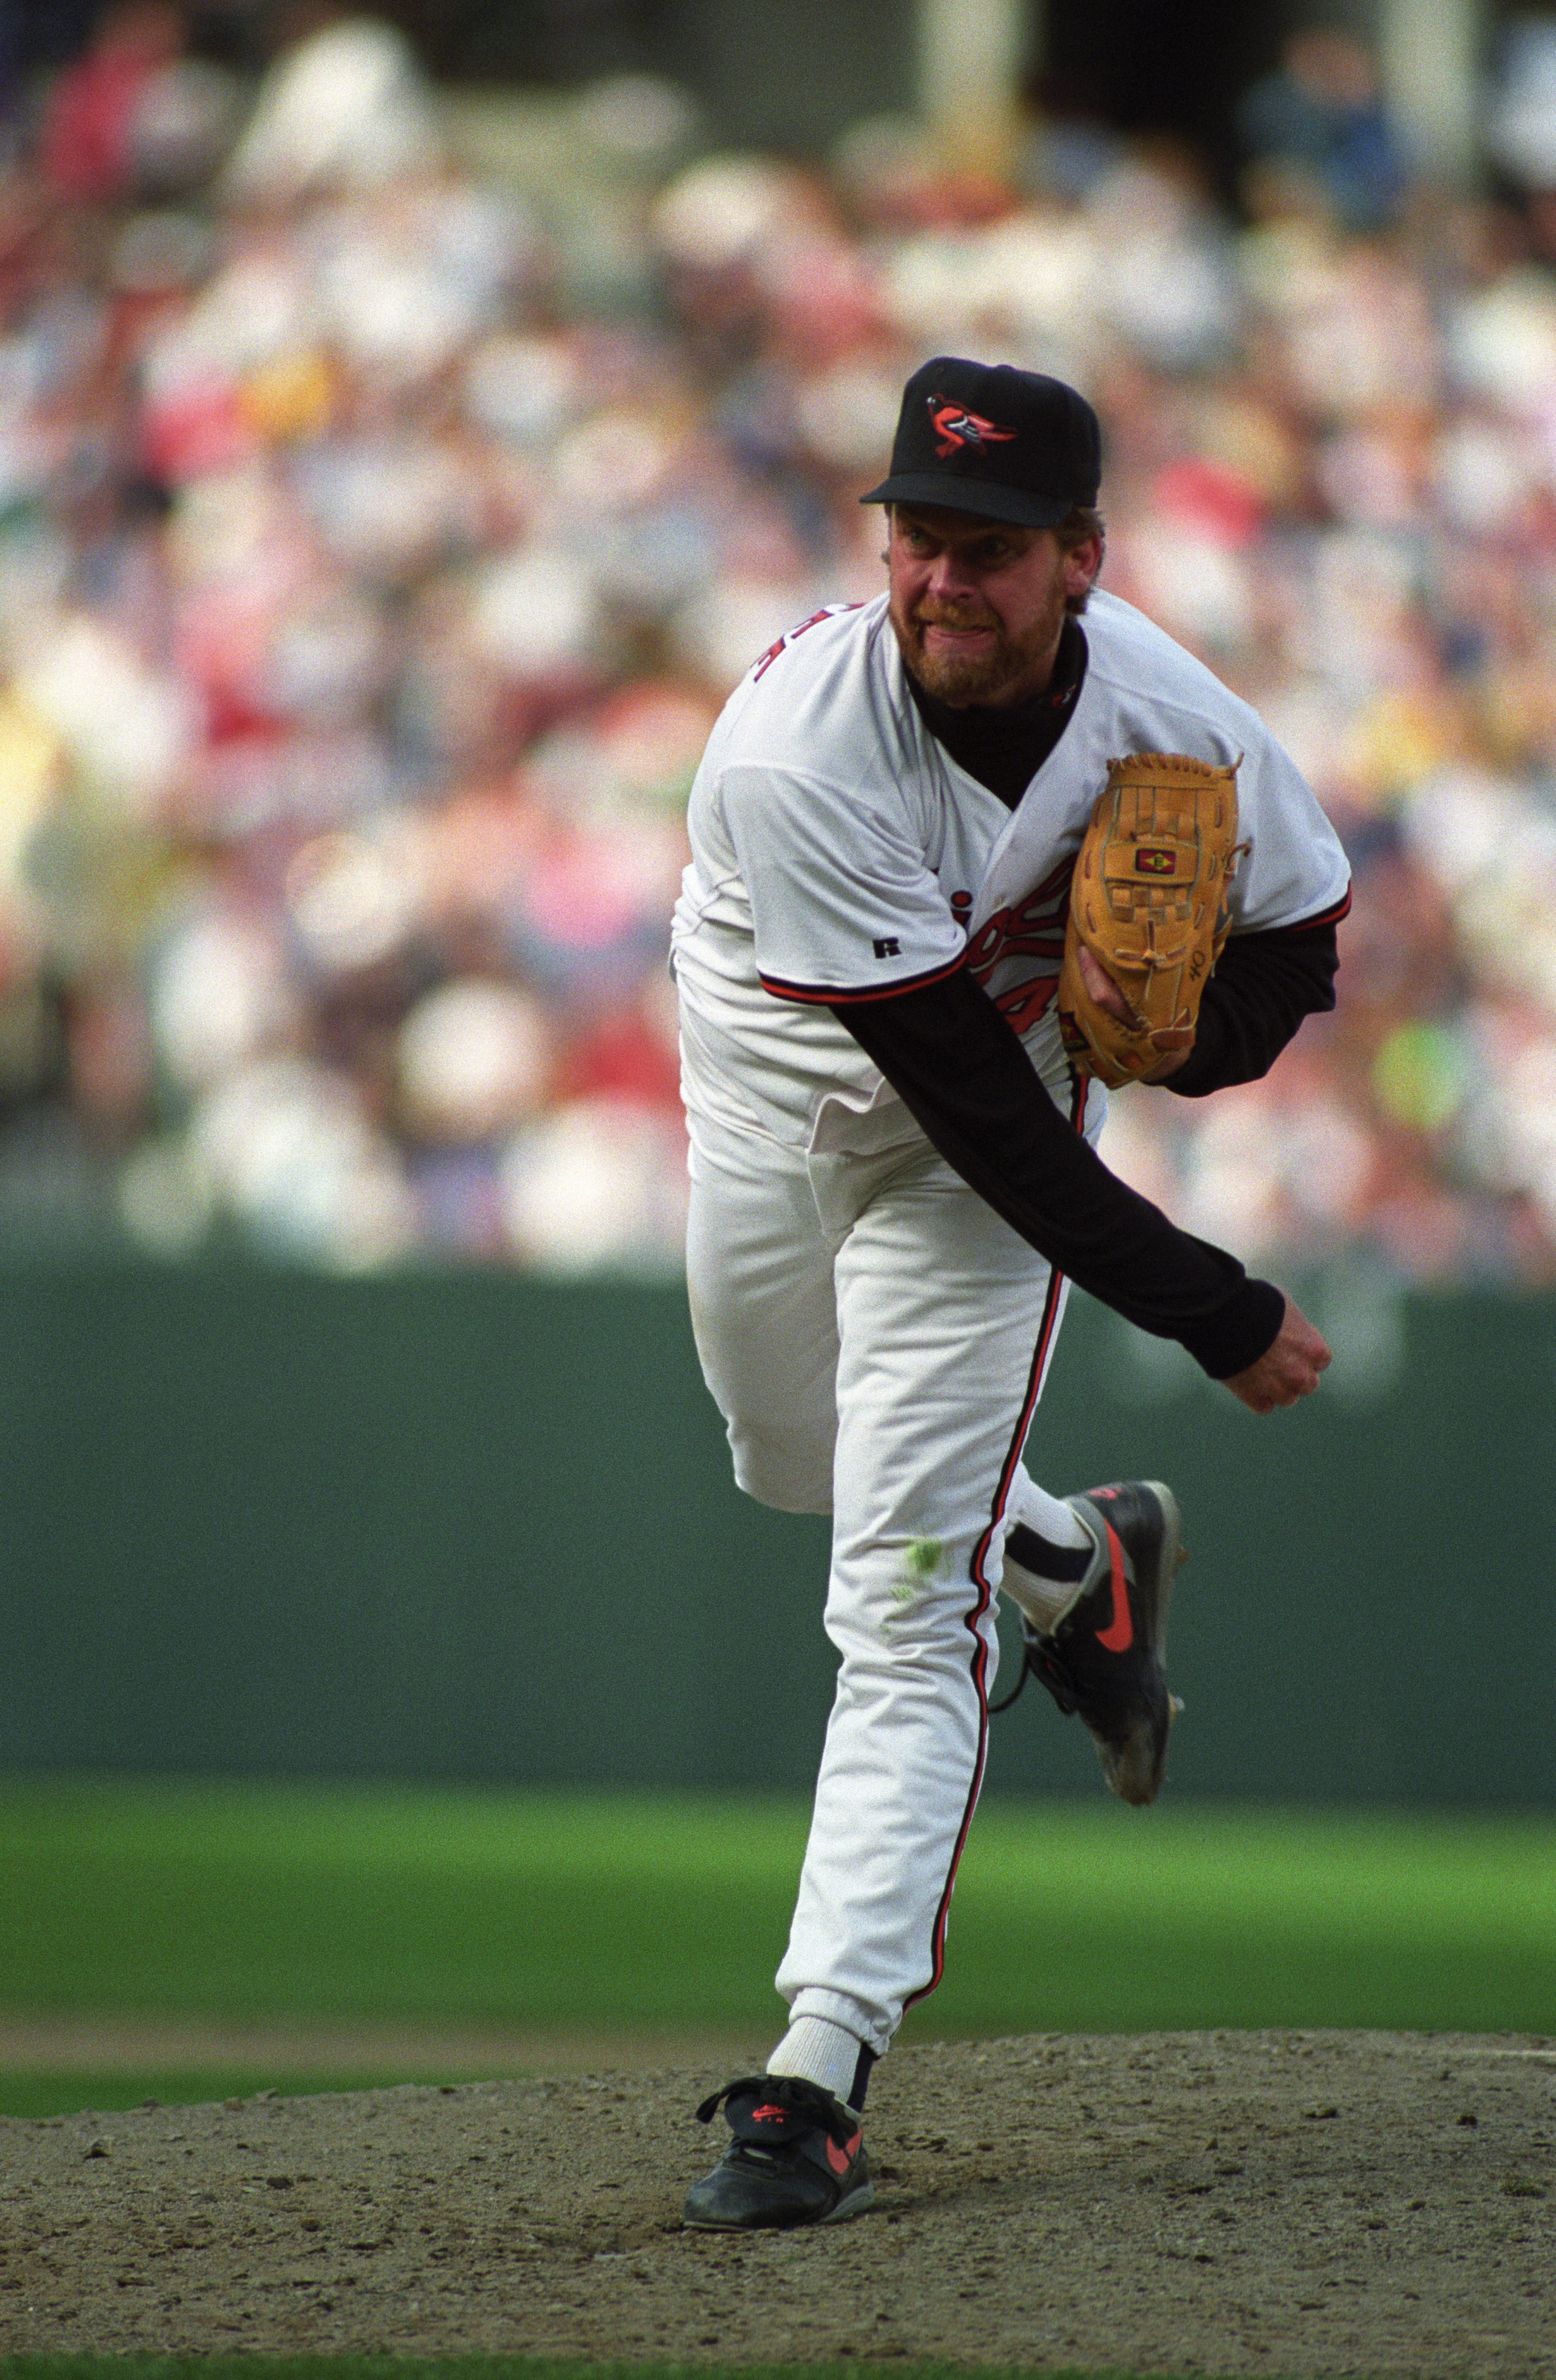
pixel 344 108
pixel 378 540
pixel 1521 134
pixel 87 141
pixel 133 115
pixel 1318 120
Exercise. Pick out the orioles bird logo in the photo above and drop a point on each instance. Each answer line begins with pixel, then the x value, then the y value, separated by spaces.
pixel 954 426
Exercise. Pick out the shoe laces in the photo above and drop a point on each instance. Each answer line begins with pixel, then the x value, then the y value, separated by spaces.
pixel 1041 1658
pixel 796 2096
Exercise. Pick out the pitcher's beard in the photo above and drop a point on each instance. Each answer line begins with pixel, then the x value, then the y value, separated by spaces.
pixel 959 680
pixel 1006 670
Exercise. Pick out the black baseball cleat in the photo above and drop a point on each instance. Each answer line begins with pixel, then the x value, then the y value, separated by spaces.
pixel 1104 1659
pixel 797 2156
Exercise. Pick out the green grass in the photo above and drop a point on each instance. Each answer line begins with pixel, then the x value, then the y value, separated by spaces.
pixel 503 2367
pixel 453 1907
pixel 428 1907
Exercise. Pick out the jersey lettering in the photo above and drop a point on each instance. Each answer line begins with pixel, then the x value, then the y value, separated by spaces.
pixel 1023 1007
pixel 1031 930
pixel 888 947
pixel 827 612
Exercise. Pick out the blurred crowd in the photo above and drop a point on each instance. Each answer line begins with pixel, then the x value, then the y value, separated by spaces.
pixel 392 484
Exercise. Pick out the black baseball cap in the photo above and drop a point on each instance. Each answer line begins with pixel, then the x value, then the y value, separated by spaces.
pixel 986 438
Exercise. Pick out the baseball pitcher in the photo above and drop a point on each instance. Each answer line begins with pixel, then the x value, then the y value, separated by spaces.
pixel 963 858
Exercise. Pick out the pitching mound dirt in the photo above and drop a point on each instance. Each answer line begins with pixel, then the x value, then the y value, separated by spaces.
pixel 1272 2203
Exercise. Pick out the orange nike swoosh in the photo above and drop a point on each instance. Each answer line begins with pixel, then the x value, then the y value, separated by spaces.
pixel 1119 1634
pixel 841 2158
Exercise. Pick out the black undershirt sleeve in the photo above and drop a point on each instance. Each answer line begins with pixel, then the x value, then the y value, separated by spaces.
pixel 963 1075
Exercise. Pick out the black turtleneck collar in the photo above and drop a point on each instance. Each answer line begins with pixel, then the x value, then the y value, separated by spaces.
pixel 1003 749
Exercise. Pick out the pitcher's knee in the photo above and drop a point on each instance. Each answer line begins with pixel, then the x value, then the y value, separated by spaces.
pixel 792 1473
pixel 913 1599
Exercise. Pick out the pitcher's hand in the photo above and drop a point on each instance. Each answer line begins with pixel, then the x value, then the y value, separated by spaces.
pixel 1175 1045
pixel 1288 1368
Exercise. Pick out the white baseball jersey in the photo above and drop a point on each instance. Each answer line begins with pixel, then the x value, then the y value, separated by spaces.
pixel 840 853
pixel 839 1268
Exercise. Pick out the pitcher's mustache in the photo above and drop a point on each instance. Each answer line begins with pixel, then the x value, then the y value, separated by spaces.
pixel 939 618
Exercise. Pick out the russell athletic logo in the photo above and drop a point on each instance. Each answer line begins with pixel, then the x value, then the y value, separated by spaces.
pixel 954 426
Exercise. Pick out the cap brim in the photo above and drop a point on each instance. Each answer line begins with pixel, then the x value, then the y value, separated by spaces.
pixel 1020 506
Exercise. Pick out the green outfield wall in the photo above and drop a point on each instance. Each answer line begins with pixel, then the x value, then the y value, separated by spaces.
pixel 478 1527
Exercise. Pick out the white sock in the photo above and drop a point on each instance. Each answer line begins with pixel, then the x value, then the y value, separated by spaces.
pixel 819 2051
pixel 1050 1554
pixel 1055 1518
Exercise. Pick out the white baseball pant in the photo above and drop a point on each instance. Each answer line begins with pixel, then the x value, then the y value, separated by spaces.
pixel 875 1339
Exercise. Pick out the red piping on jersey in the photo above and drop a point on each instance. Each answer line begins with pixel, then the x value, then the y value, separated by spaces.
pixel 1331 916
pixel 1035 1378
pixel 828 996
pixel 822 996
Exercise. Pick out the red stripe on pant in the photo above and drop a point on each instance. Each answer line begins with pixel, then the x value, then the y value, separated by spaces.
pixel 981 1652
